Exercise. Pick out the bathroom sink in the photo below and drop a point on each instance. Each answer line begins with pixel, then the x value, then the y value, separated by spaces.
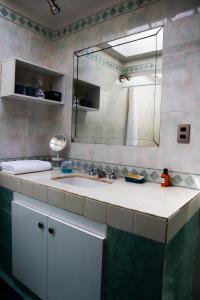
pixel 83 182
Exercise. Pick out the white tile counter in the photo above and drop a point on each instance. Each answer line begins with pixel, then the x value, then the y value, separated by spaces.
pixel 144 209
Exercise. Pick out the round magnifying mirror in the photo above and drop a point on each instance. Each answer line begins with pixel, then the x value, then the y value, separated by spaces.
pixel 58 142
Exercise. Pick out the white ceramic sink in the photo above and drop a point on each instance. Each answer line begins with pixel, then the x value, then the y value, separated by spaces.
pixel 83 182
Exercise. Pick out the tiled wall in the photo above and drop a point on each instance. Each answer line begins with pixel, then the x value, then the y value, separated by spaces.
pixel 180 84
pixel 6 197
pixel 134 267
pixel 25 128
pixel 182 263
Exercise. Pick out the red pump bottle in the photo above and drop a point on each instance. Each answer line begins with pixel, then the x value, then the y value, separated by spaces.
pixel 165 178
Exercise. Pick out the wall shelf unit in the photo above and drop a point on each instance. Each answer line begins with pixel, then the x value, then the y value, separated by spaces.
pixel 87 94
pixel 17 71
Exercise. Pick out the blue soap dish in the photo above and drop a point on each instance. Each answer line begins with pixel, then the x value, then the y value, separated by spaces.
pixel 134 178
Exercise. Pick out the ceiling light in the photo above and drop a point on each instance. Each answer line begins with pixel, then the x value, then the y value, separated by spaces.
pixel 55 9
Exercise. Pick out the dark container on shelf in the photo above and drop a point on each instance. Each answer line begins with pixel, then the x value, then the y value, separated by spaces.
pixel 53 95
pixel 19 88
pixel 83 102
pixel 89 104
pixel 30 91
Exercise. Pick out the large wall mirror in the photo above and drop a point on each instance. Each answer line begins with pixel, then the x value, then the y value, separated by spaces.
pixel 117 91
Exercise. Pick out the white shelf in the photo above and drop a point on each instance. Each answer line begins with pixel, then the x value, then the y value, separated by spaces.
pixel 84 108
pixel 22 72
pixel 32 99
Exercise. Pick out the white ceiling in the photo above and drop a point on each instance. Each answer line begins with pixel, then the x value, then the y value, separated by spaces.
pixel 71 11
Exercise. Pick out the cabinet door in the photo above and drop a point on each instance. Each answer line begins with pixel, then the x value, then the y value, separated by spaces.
pixel 74 262
pixel 29 248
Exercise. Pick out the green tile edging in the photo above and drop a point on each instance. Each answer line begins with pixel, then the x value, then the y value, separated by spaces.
pixel 102 16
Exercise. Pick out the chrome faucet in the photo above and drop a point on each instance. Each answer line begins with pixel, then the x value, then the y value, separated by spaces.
pixel 100 173
pixel 95 171
pixel 112 175
pixel 91 171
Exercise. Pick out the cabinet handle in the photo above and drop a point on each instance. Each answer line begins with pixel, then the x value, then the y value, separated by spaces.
pixel 40 225
pixel 51 230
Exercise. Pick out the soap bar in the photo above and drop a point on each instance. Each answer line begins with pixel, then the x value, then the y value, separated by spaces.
pixel 134 178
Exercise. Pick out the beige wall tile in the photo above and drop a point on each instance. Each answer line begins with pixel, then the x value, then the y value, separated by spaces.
pixel 176 222
pixel 74 203
pixel 40 192
pixel 56 197
pixel 150 227
pixel 27 188
pixel 10 183
pixel 120 218
pixel 95 210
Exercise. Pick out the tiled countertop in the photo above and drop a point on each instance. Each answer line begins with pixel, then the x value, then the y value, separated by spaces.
pixel 145 209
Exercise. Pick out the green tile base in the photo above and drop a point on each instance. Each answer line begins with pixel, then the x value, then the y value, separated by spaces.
pixel 134 267
pixel 182 263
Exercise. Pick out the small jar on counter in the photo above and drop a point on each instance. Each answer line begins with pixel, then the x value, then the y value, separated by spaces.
pixel 66 166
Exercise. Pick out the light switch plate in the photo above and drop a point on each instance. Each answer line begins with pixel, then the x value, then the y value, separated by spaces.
pixel 183 134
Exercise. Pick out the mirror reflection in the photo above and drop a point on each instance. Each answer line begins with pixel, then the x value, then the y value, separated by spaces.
pixel 117 91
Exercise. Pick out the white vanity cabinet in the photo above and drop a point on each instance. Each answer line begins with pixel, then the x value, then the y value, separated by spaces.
pixel 56 254
pixel 29 248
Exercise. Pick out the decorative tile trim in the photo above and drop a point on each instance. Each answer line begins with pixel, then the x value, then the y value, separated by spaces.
pixel 142 68
pixel 104 15
pixel 99 59
pixel 153 175
pixel 18 19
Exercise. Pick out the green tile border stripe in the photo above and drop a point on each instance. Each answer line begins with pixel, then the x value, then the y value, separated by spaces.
pixel 18 19
pixel 141 68
pixel 99 59
pixel 102 16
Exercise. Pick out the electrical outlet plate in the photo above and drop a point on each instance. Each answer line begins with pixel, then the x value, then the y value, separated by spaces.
pixel 183 134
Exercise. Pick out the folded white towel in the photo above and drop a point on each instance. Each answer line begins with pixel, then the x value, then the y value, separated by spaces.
pixel 25 166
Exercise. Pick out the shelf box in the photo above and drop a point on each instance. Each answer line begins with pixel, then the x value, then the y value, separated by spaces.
pixel 28 74
pixel 87 91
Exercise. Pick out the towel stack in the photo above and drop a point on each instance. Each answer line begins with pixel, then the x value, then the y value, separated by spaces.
pixel 25 166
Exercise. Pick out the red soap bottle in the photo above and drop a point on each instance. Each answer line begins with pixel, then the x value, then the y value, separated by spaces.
pixel 165 178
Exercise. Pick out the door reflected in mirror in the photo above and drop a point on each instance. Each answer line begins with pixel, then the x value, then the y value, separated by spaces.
pixel 117 91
